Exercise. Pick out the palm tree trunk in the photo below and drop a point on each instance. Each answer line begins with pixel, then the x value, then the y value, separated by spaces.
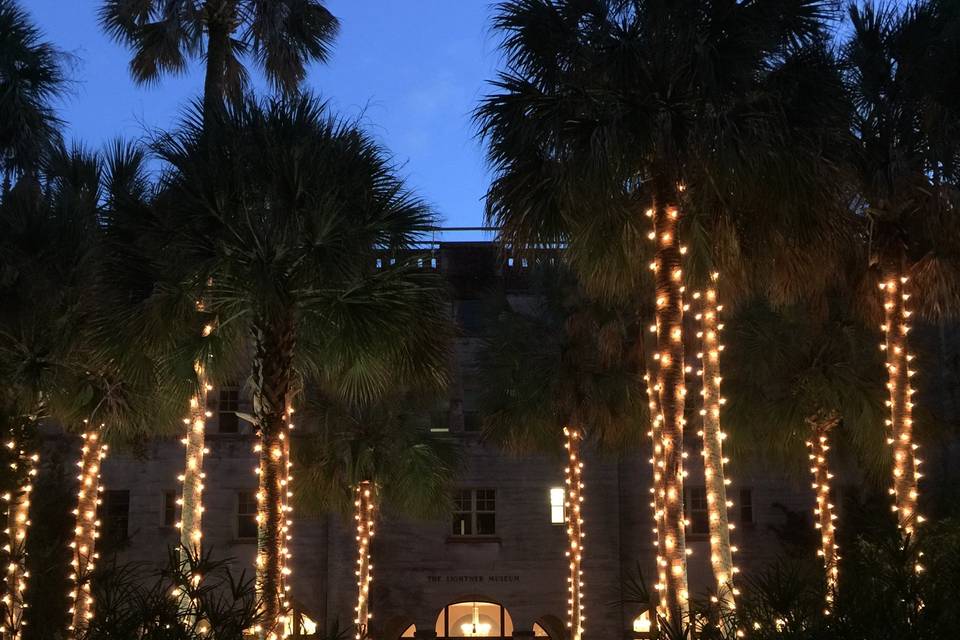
pixel 272 373
pixel 191 497
pixel 896 327
pixel 18 521
pixel 721 552
pixel 218 51
pixel 574 507
pixel 819 444
pixel 657 489
pixel 287 527
pixel 86 532
pixel 670 379
pixel 366 504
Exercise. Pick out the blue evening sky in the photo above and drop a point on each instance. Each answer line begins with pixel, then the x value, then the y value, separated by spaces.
pixel 411 69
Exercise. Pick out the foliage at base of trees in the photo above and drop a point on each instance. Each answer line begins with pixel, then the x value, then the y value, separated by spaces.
pixel 881 596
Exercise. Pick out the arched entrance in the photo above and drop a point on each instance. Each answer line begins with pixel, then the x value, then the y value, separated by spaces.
pixel 550 627
pixel 474 619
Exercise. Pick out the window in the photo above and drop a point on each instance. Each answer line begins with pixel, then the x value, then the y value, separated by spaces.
pixel 115 516
pixel 746 506
pixel 227 405
pixel 246 515
pixel 558 512
pixel 474 620
pixel 695 505
pixel 171 510
pixel 472 315
pixel 475 512
pixel 642 623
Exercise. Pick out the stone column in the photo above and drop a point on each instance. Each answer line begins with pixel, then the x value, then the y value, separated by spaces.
pixel 517 633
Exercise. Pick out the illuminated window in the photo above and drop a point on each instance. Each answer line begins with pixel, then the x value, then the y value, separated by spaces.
pixel 695 506
pixel 171 510
pixel 474 620
pixel 307 627
pixel 558 514
pixel 540 632
pixel 641 624
pixel 227 404
pixel 246 515
pixel 409 633
pixel 475 512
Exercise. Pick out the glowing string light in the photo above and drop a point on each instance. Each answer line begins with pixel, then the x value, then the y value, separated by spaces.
pixel 365 515
pixel 18 521
pixel 671 389
pixel 657 491
pixel 193 477
pixel 721 551
pixel 573 503
pixel 906 474
pixel 274 529
pixel 86 531
pixel 819 445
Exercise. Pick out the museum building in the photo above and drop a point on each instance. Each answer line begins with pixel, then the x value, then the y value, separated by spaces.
pixel 496 566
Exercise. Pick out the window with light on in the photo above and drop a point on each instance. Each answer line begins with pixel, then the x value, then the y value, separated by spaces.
pixel 558 514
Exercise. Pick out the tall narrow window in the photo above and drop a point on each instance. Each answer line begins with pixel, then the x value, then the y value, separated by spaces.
pixel 246 515
pixel 115 516
pixel 695 503
pixel 228 401
pixel 558 514
pixel 475 512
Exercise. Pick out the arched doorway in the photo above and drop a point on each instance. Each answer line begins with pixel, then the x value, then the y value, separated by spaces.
pixel 550 627
pixel 474 619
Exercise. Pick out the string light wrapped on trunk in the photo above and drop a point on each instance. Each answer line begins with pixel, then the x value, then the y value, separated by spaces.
pixel 18 522
pixel 819 445
pixel 278 453
pixel 671 390
pixel 365 515
pixel 573 504
pixel 286 552
pixel 656 490
pixel 906 474
pixel 193 477
pixel 712 435
pixel 86 531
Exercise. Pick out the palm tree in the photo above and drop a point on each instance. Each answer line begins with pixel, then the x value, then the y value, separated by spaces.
pixel 282 36
pixel 362 460
pixel 906 160
pixel 53 356
pixel 31 77
pixel 276 213
pixel 566 372
pixel 159 314
pixel 799 376
pixel 609 109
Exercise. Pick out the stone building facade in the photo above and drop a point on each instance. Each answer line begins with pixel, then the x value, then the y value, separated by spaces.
pixel 500 560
